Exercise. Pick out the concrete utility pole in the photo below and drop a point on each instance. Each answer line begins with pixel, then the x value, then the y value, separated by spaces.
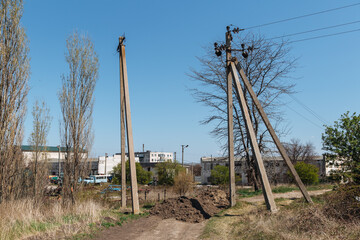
pixel 233 68
pixel 130 141
pixel 122 131
pixel 182 156
pixel 230 118
pixel 269 198
pixel 276 140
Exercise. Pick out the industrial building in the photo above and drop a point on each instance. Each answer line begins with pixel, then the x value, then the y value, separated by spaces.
pixel 153 157
pixel 147 160
pixel 276 168
pixel 55 157
pixel 107 163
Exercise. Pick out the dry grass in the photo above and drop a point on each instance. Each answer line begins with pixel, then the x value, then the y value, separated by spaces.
pixel 23 218
pixel 294 220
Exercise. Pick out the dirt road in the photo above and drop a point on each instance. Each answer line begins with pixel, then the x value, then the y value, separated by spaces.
pixel 153 228
pixel 288 195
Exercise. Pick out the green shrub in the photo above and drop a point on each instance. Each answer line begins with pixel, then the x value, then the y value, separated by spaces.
pixel 167 171
pixel 143 176
pixel 309 174
pixel 219 175
pixel 342 145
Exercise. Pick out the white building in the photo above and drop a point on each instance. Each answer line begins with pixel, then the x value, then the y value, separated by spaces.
pixel 54 156
pixel 154 157
pixel 49 153
pixel 106 164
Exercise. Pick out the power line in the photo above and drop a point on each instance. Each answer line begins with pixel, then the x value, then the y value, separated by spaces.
pixel 315 124
pixel 309 110
pixel 302 16
pixel 314 30
pixel 323 36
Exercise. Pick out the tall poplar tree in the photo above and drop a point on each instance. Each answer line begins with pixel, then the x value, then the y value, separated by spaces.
pixel 77 101
pixel 14 74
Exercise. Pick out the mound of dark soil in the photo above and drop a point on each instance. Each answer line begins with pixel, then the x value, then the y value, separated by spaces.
pixel 196 209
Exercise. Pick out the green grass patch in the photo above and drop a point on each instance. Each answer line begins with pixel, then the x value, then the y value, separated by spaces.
pixel 20 228
pixel 248 192
pixel 107 224
pixel 41 226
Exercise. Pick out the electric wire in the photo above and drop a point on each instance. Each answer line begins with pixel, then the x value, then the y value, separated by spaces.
pixel 302 16
pixel 312 112
pixel 313 30
pixel 307 119
pixel 326 35
pixel 310 38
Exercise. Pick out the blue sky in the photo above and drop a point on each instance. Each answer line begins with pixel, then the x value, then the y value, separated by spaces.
pixel 163 40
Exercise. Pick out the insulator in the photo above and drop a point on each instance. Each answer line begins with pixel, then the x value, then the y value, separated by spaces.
pixel 245 54
pixel 218 52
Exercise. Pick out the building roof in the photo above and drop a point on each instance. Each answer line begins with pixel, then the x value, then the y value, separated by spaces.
pixel 29 148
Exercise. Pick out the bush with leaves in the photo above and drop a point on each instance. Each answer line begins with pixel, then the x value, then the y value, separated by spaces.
pixel 308 173
pixel 219 175
pixel 143 176
pixel 342 145
pixel 167 171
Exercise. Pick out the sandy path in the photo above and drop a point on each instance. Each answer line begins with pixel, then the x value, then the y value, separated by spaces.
pixel 289 195
pixel 153 228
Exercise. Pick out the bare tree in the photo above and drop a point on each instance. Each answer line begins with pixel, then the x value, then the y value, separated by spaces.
pixel 77 100
pixel 298 151
pixel 268 68
pixel 37 141
pixel 14 74
pixel 197 170
pixel 183 182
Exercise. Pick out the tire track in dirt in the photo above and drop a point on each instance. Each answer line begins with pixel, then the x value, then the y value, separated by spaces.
pixel 153 228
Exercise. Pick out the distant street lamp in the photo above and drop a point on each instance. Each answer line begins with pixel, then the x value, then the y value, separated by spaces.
pixel 59 161
pixel 106 155
pixel 183 146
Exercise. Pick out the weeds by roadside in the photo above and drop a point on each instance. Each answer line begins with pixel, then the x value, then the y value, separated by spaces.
pixel 294 220
pixel 23 218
